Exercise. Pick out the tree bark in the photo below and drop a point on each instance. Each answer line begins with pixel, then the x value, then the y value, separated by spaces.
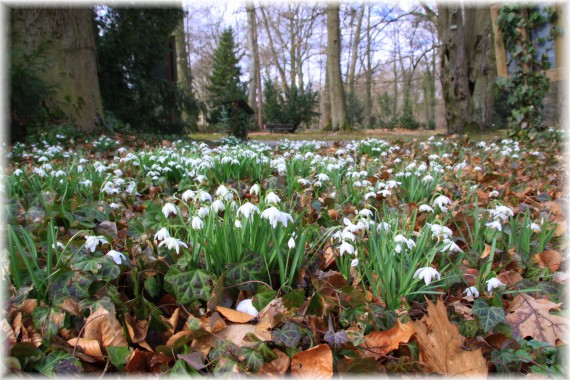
pixel 339 120
pixel 368 76
pixel 272 48
pixel 70 57
pixel 253 57
pixel 355 43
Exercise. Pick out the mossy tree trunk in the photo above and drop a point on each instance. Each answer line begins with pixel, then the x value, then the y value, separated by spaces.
pixel 67 37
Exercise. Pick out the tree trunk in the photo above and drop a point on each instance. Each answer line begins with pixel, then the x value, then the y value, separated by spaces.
pixel 368 76
pixel 339 118
pixel 325 106
pixel 454 69
pixel 481 58
pixel 273 50
pixel 70 59
pixel 253 62
pixel 355 43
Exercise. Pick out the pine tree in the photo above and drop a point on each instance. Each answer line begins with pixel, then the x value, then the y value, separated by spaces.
pixel 224 82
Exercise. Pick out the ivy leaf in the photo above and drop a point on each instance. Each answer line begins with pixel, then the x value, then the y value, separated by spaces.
pixel 59 363
pixel 67 283
pixel 489 317
pixel 263 297
pixel 252 359
pixel 188 286
pixel 193 359
pixel 109 269
pixel 289 335
pixel 294 299
pixel 119 356
pixel 85 263
pixel 336 339
pixel 49 320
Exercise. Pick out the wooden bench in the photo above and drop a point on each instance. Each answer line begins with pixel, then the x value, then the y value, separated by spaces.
pixel 289 128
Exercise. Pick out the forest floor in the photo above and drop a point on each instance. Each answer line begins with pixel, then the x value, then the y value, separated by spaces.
pixel 397 253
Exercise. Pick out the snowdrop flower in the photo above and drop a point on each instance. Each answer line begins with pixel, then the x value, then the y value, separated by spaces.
pixel 495 224
pixel 188 194
pixel 117 256
pixel 369 195
pixel 246 306
pixel 169 209
pixel 254 189
pixel 197 223
pixel 440 232
pixel 471 292
pixel 86 183
pixel 534 227
pixel 493 194
pixel 428 178
pixel 441 202
pixel 275 216
pixel 247 209
pixel 114 206
pixel 272 198
pixel 200 178
pixel 402 239
pixel 161 234
pixel 218 205
pixel 291 243
pixel 365 212
pixel 502 212
pixel 93 241
pixel 385 192
pixel 383 226
pixel 354 263
pixel 173 243
pixel 450 246
pixel 426 274
pixel 493 283
pixel 322 177
pixel 222 191
pixel 425 208
pixel 237 224
pixel 346 248
pixel 203 211
pixel 18 172
pixel 58 245
pixel 204 196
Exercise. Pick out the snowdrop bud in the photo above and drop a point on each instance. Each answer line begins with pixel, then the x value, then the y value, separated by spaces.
pixel 254 189
pixel 238 224
pixel 471 292
pixel 246 306
pixel 291 243
pixel 493 283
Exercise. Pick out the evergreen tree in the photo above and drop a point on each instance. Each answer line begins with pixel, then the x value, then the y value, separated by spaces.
pixel 224 82
pixel 293 106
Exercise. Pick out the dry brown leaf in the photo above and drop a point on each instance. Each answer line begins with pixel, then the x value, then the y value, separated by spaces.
pixel 278 366
pixel 235 333
pixel 177 336
pixel 89 347
pixel 486 251
pixel 137 329
pixel 528 316
pixel 9 334
pixel 462 310
pixel 29 305
pixel 71 306
pixel 271 314
pixel 234 315
pixel 440 345
pixel 174 319
pixel 379 343
pixel 551 259
pixel 17 324
pixel 216 323
pixel 138 362
pixel 510 277
pixel 316 362
pixel 104 327
pixel 561 228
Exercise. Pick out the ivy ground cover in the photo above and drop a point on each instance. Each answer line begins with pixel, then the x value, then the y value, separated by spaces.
pixel 441 256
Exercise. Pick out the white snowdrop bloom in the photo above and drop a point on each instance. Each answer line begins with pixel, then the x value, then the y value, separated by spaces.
pixel 291 243
pixel 188 194
pixel 495 224
pixel 18 172
pixel 247 209
pixel 93 241
pixel 441 201
pixel 169 209
pixel 493 283
pixel 317 184
pixel 493 194
pixel 347 235
pixel 246 306
pixel 366 213
pixel 478 169
pixel 275 216
pixel 218 205
pixel 86 183
pixel 303 181
pixel 83 161
pixel 397 160
pixel 204 196
pixel 117 256
pixel 428 178
pixel 58 245
pixel 384 192
pixel 43 159
pixel 222 191
pixel 450 246
pixel 354 262
pixel 534 227
pixel 238 224
pixel 427 274
pixel 346 247
pixel 118 172
pixel 383 226
pixel 254 189
pixel 369 195
pixel 398 248
pixel 203 211
pixel 114 206
pixel 161 234
pixel 121 150
pixel 272 198
pixel 197 223
pixel 173 243
pixel 200 178
pixel 390 184
pixel 471 292
pixel 402 239
pixel 502 212
pixel 322 177
pixel 40 172
pixel 425 208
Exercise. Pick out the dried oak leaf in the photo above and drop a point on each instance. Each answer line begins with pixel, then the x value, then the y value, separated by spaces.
pixel 103 326
pixel 316 362
pixel 137 329
pixel 510 277
pixel 278 366
pixel 89 347
pixel 528 316
pixel 234 315
pixel 9 334
pixel 551 259
pixel 440 345
pixel 379 343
